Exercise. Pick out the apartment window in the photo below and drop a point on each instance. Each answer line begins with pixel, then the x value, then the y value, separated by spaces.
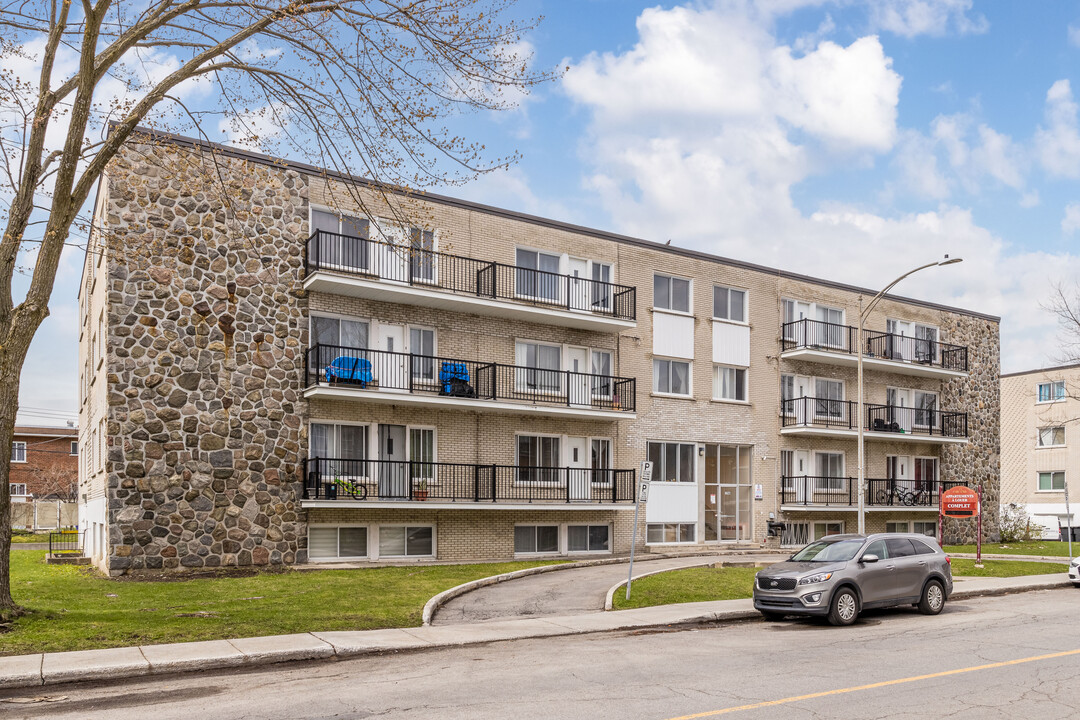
pixel 1052 437
pixel 74 448
pixel 422 453
pixel 729 304
pixel 672 462
pixel 671 377
pixel 537 274
pixel 670 532
pixel 542 367
pixel 926 469
pixel 671 293
pixel 924 528
pixel 925 409
pixel 339 450
pixel 538 458
pixel 1051 391
pixel 536 539
pixel 830 470
pixel 729 383
pixel 601 461
pixel 1051 481
pixel 601 286
pixel 339 333
pixel 17 488
pixel 18 451
pixel 421 254
pixel 896 527
pixel 601 370
pixel 830 399
pixel 588 538
pixel 824 529
pixel 400 541
pixel 422 344
pixel 344 241
pixel 337 542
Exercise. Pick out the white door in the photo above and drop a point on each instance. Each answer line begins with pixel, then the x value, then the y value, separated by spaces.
pixel 900 344
pixel 392 252
pixel 900 408
pixel 802 312
pixel 578 384
pixel 801 469
pixel 390 367
pixel 802 391
pixel 578 270
pixel 577 459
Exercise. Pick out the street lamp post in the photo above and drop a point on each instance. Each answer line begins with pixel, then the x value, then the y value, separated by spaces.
pixel 860 407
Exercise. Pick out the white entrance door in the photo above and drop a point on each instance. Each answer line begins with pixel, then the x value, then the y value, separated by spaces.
pixel 578 385
pixel 391 367
pixel 801 468
pixel 802 406
pixel 578 270
pixel 900 344
pixel 900 404
pixel 577 458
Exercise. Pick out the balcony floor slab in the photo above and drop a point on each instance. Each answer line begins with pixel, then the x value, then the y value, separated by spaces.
pixel 843 359
pixel 855 508
pixel 463 505
pixel 872 436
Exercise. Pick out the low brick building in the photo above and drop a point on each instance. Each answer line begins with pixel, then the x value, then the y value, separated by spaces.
pixel 300 370
pixel 44 463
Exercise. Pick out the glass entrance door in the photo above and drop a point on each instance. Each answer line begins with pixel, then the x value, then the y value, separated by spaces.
pixel 727 493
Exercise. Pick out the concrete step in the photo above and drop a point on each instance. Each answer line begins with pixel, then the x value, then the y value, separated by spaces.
pixel 68 560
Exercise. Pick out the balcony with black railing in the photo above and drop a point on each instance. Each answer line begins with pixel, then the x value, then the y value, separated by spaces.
pixel 899 493
pixel 412 274
pixel 397 481
pixel 823 416
pixel 382 375
pixel 838 344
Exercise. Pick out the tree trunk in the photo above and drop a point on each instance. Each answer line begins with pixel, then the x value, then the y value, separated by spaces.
pixel 10 373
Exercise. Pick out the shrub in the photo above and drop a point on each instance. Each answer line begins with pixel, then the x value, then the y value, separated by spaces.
pixel 1015 524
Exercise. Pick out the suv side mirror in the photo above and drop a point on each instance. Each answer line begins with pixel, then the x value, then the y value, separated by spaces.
pixel 868 558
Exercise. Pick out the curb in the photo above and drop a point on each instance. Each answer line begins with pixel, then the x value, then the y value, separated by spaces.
pixel 1019 558
pixel 609 598
pixel 432 606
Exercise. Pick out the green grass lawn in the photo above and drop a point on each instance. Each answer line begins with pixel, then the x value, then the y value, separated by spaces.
pixel 29 537
pixel 72 608
pixel 1006 568
pixel 689 585
pixel 1031 547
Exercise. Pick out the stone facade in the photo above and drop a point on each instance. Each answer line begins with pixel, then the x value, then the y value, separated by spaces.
pixel 204 371
pixel 207 331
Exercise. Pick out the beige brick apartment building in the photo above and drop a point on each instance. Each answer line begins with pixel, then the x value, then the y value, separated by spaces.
pixel 296 371
pixel 1039 409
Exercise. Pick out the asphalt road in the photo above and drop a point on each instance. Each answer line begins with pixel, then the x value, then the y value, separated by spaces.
pixel 973 661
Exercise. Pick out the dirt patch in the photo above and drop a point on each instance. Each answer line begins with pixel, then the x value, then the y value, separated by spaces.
pixel 216 573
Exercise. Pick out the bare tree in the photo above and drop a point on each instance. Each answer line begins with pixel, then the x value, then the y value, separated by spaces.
pixel 55 483
pixel 359 85
pixel 1064 303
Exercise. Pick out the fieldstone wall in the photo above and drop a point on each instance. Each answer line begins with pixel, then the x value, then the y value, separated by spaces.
pixel 205 358
pixel 979 461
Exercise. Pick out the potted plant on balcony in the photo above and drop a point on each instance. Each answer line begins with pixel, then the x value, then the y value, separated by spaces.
pixel 421 491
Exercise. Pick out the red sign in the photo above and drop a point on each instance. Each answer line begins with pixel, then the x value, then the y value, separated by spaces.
pixel 960 502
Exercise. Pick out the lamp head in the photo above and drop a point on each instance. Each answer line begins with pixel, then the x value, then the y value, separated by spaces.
pixel 950 261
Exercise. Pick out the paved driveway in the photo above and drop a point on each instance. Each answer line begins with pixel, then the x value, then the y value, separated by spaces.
pixel 563 592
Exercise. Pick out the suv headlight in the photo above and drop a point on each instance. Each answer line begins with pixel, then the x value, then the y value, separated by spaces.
pixel 811 579
pixel 1075 562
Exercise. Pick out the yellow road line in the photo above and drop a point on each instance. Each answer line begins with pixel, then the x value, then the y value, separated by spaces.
pixel 871 686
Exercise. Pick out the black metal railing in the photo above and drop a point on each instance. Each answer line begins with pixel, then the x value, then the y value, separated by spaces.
pixel 844 491
pixel 404 480
pixel 916 421
pixel 451 377
pixel 809 334
pixel 819 412
pixel 841 414
pixel 65 542
pixel 413 264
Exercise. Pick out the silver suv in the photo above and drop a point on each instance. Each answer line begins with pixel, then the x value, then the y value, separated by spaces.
pixel 841 575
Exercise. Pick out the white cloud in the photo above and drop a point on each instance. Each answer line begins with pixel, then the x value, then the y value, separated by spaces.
pixel 1030 199
pixel 1074 35
pixel 1058 143
pixel 910 18
pixel 918 165
pixel 1070 223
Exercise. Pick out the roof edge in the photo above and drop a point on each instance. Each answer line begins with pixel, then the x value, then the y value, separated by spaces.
pixel 1070 366
pixel 283 163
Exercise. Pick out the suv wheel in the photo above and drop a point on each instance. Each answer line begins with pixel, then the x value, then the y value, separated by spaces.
pixel 933 598
pixel 844 608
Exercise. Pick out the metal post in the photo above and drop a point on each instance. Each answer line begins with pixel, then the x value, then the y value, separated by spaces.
pixel 978 530
pixel 633 544
pixel 1068 518
pixel 860 411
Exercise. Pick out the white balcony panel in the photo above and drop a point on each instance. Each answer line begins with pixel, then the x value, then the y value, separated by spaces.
pixel 673 335
pixel 731 344
pixel 672 502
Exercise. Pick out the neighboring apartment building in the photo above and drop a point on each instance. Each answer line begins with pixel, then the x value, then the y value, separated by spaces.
pixel 304 373
pixel 1039 410
pixel 44 463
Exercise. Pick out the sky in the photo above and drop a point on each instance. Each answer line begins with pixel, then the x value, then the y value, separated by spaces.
pixel 846 139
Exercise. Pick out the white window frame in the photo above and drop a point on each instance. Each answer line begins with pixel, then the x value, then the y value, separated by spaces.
pixel 689 377
pixel 598 393
pixel 937 467
pixel 560 291
pixel 434 379
pixel 434 449
pixel 74 449
pixel 372 428
pixel 1051 473
pixel 924 522
pixel 814 526
pixel 611 453
pixel 1051 383
pixel 520 376
pixel 378 540
pixel 680 541
pixel 16 446
pixel 746 304
pixel 717 369
pixel 905 523
pixel 842 400
pixel 518 482
pixel 559 546
pixel 843 470
pixel 1038 437
pixel 373 225
pixel 370 322
pixel 14 488
pixel 689 312
pixel 657 471
pixel 610 538
pixel 339 557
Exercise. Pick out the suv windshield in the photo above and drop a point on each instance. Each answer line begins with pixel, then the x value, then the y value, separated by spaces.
pixel 828 551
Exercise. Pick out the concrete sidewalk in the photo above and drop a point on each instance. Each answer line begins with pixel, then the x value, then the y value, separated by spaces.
pixel 54 668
